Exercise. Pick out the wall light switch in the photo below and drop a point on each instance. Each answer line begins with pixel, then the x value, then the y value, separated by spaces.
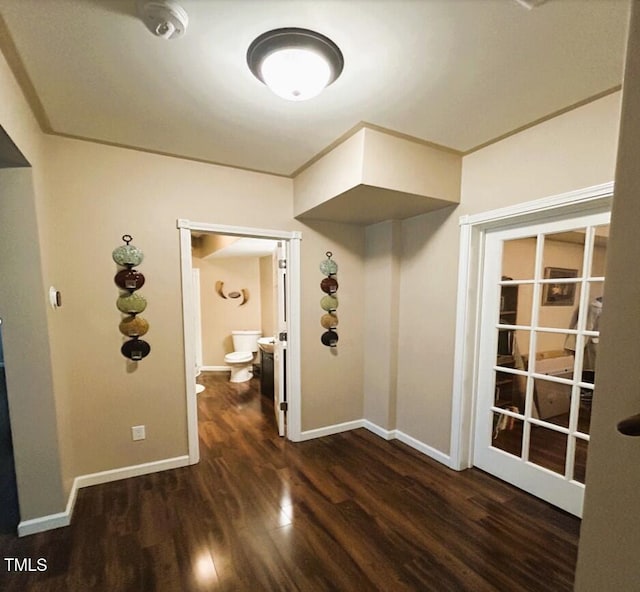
pixel 138 432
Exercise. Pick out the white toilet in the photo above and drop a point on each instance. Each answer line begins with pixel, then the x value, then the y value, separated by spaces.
pixel 245 345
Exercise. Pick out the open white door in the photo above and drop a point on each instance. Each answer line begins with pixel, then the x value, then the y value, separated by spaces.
pixel 541 303
pixel 280 351
pixel 197 318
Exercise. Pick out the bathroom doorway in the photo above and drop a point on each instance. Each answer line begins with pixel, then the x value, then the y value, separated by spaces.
pixel 246 263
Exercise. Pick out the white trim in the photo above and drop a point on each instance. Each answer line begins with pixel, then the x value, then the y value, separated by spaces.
pixel 378 431
pixel 131 471
pixel 27 527
pixel 215 368
pixel 189 343
pixel 330 430
pixel 431 452
pixel 347 426
pixel 294 400
pixel 238 230
pixel 460 439
pixel 472 233
pixel 579 197
pixel 51 521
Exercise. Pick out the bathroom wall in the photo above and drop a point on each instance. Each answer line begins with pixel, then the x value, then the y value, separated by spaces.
pixel 220 316
pixel 268 295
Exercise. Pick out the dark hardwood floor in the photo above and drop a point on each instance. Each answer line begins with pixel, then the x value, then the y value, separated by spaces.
pixel 349 512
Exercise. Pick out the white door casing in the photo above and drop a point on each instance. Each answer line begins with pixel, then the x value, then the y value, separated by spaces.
pixel 473 230
pixel 292 238
pixel 280 349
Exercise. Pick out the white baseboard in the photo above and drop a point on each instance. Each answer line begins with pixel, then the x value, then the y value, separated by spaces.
pixel 215 368
pixel 52 521
pixel 378 431
pixel 332 429
pixel 132 471
pixel 431 452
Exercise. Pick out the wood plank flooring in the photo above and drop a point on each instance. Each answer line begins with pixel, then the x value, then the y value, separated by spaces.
pixel 349 512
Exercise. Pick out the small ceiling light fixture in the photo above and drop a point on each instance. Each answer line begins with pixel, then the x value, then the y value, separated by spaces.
pixel 164 18
pixel 296 64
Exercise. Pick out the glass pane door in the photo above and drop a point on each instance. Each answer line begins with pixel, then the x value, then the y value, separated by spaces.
pixel 542 300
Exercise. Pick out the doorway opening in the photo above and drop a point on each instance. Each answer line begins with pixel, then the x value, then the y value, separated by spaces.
pixel 526 342
pixel 9 509
pixel 239 285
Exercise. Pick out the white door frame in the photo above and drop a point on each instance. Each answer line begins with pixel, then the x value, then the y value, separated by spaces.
pixel 293 377
pixel 472 239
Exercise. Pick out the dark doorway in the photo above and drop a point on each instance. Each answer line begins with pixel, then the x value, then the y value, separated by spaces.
pixel 9 511
pixel 10 157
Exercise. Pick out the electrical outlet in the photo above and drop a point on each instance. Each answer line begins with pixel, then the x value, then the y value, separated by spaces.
pixel 138 433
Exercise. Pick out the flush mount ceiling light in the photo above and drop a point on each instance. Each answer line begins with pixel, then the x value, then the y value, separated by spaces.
pixel 296 64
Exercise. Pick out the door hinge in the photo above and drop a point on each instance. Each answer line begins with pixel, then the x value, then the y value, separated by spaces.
pixel 284 406
pixel 282 336
pixel 282 263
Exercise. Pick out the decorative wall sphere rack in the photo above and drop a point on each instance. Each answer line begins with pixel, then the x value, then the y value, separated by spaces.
pixel 329 302
pixel 130 303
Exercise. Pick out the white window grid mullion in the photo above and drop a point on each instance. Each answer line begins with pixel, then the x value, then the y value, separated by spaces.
pixel 574 411
pixel 528 408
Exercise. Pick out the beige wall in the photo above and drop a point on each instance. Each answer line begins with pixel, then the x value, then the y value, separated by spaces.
pixel 219 316
pixel 268 296
pixel 103 192
pixel 574 150
pixel 86 197
pixel 382 295
pixel 27 350
pixel 39 422
pixel 405 166
pixel 610 531
pixel 332 378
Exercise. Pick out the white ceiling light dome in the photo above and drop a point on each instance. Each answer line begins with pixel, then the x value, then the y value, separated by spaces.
pixel 296 64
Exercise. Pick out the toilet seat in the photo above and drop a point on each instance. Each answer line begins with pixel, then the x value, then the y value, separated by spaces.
pixel 238 357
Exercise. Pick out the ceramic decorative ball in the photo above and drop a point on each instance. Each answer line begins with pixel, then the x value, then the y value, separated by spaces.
pixel 134 326
pixel 329 302
pixel 127 255
pixel 131 303
pixel 129 279
pixel 135 349
pixel 329 285
pixel 329 267
pixel 329 320
pixel 329 338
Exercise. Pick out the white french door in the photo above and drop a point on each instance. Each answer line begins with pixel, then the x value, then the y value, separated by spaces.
pixel 542 296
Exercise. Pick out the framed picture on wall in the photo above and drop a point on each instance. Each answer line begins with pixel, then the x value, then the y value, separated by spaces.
pixel 561 293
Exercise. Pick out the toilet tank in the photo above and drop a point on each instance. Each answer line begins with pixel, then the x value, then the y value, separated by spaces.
pixel 245 341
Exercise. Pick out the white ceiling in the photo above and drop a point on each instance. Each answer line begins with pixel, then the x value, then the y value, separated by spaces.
pixel 246 247
pixel 458 73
